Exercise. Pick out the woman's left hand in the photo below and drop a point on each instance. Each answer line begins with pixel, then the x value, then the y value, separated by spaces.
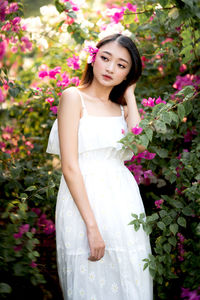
pixel 130 91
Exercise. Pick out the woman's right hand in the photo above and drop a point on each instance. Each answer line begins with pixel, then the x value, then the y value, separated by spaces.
pixel 96 244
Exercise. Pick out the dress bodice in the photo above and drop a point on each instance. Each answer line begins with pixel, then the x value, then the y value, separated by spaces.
pixel 94 132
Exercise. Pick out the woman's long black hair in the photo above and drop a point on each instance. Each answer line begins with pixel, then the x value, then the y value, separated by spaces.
pixel 117 93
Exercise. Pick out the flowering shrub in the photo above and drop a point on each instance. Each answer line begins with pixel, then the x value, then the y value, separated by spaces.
pixel 41 56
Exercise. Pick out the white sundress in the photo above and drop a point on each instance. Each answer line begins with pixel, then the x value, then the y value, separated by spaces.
pixel 113 194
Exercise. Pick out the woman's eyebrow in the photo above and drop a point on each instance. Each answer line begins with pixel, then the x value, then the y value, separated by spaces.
pixel 111 55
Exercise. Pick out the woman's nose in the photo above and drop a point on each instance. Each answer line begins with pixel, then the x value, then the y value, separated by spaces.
pixel 110 67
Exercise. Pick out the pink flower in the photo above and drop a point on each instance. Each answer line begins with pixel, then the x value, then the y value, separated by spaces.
pixel 3 5
pixel 29 144
pixel 158 203
pixel 65 80
pixel 181 237
pixel 2 98
pixel 8 129
pixel 33 264
pixel 182 68
pixel 15 21
pixel 22 229
pixel 17 248
pixel 53 72
pixel 73 62
pixel 49 100
pixel 54 109
pixel 12 8
pixel 92 51
pixel 27 43
pixel 2 49
pixel 159 100
pixel 131 7
pixel 136 130
pixel 123 131
pixel 42 74
pixel 167 40
pixel 190 295
pixel 17 235
pixel 36 210
pixel 75 80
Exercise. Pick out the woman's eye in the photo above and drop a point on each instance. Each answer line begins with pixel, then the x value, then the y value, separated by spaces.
pixel 104 58
pixel 121 66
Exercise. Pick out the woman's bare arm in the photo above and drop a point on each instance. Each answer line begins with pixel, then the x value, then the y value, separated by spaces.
pixel 131 112
pixel 68 122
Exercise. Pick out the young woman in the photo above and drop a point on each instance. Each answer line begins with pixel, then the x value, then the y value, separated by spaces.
pixel 99 255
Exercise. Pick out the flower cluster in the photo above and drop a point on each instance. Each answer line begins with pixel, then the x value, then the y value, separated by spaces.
pixel 186 294
pixel 92 53
pixel 188 79
pixel 45 225
pixel 12 143
pixel 151 102
pixel 136 130
pixel 158 203
pixel 141 176
pixel 180 246
pixel 116 13
pixel 73 62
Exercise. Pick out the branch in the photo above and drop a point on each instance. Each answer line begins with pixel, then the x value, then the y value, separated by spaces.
pixel 148 10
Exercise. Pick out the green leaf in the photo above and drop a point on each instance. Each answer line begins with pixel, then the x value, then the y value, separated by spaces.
pixel 31 188
pixel 166 117
pixel 188 107
pixel 160 126
pixel 134 216
pixel 162 213
pixel 149 133
pixel 145 266
pixel 181 111
pixel 187 211
pixel 157 108
pixel 144 140
pixel 181 221
pixel 173 228
pixel 174 117
pixel 128 17
pixel 59 6
pixel 172 240
pixel 161 225
pixel 167 220
pixel 5 288
pixel 175 203
pixel 134 148
pixel 23 196
pixel 167 247
pixel 163 153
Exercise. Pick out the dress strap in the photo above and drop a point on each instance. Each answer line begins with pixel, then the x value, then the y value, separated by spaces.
pixel 82 101
pixel 122 109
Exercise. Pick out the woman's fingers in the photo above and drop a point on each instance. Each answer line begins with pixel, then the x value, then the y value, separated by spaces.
pixel 96 254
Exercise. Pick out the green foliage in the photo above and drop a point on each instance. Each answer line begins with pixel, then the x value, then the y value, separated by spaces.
pixel 167 35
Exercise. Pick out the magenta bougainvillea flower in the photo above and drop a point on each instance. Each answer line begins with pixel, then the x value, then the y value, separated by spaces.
pixel 73 62
pixel 92 51
pixel 2 49
pixel 137 130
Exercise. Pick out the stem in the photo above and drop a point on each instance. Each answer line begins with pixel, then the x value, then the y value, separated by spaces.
pixel 148 10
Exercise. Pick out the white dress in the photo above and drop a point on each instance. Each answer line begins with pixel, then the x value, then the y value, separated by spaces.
pixel 113 194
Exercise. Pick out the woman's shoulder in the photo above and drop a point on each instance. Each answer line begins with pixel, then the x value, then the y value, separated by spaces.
pixel 71 95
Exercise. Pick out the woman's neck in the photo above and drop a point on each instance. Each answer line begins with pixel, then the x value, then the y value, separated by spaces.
pixel 96 90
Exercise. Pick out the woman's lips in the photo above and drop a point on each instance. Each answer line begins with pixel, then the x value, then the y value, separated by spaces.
pixel 107 77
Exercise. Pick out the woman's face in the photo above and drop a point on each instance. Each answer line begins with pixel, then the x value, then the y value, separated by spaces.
pixel 112 64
